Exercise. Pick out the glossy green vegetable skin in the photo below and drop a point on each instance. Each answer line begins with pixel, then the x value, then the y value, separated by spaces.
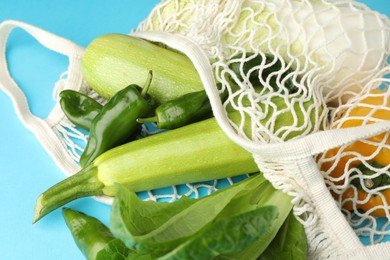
pixel 80 109
pixel 89 233
pixel 111 61
pixel 184 110
pixel 116 122
pixel 369 182
pixel 92 237
pixel 197 152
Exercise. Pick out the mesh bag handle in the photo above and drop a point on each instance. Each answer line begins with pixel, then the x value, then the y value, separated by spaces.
pixel 298 152
pixel 43 129
pixel 292 150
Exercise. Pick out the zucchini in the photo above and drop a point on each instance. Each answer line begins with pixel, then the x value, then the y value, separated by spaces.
pixel 113 61
pixel 193 153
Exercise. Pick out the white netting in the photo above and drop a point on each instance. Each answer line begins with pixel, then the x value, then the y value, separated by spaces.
pixel 294 69
pixel 289 66
pixel 358 174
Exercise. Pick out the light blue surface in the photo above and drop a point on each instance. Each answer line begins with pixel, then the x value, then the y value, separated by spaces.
pixel 25 168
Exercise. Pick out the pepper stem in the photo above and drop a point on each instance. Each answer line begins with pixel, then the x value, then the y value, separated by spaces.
pixel 153 119
pixel 147 84
pixel 82 184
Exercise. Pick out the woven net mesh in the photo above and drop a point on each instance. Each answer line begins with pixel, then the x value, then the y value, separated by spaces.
pixel 292 68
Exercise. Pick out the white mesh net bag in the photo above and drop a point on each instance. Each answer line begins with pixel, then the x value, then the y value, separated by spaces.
pixel 310 80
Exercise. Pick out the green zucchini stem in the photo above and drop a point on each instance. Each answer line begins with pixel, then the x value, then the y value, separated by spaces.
pixel 84 183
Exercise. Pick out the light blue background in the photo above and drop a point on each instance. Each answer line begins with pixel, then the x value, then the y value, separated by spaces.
pixel 25 168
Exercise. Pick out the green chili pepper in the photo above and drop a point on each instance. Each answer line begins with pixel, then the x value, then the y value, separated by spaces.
pixel 117 120
pixel 271 66
pixel 370 183
pixel 80 109
pixel 184 110
pixel 92 237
